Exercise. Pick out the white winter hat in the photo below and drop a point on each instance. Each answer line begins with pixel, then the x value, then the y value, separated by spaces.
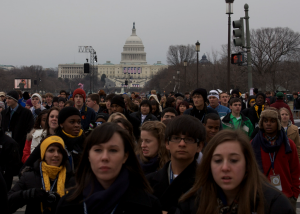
pixel 37 95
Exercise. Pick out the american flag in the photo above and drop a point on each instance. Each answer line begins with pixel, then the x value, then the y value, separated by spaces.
pixel 124 70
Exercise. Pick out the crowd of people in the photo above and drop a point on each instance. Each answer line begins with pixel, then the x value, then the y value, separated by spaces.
pixel 201 152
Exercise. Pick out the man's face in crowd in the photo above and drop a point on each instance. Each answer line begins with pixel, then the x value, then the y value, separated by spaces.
pixel 212 128
pixel 78 99
pixel 213 101
pixel 295 96
pixel 168 116
pixel 224 98
pixel 90 103
pixel 260 100
pixel 198 100
pixel 116 108
pixel 11 102
pixel 63 94
pixel 145 109
pixel 268 94
pixel 48 99
pixel 236 107
pixel 187 96
pixel 270 125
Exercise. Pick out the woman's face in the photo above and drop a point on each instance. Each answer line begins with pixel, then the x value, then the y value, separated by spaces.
pixel 182 108
pixel 72 125
pixel 35 101
pixel 43 120
pixel 53 156
pixel 228 166
pixel 106 160
pixel 53 119
pixel 149 144
pixel 284 116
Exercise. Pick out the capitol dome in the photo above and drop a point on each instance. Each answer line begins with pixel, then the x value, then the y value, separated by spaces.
pixel 133 50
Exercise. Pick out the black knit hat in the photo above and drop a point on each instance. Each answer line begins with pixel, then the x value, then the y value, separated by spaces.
pixel 103 116
pixel 67 112
pixel 61 99
pixel 26 95
pixel 146 102
pixel 13 95
pixel 202 92
pixel 262 94
pixel 119 100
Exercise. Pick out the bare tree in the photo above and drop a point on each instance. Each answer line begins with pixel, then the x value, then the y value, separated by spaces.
pixel 178 53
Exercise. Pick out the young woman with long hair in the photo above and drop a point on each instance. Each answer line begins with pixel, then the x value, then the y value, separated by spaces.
pixel 290 129
pixel 151 148
pixel 184 105
pixel 109 178
pixel 228 180
pixel 163 101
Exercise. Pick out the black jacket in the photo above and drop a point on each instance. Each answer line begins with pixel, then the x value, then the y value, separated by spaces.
pixel 251 114
pixel 29 180
pixel 3 195
pixel 193 112
pixel 275 203
pixel 134 201
pixel 87 116
pixel 149 117
pixel 9 158
pixel 135 124
pixel 167 194
pixel 21 123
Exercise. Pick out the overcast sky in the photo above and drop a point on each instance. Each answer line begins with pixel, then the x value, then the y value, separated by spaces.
pixel 48 33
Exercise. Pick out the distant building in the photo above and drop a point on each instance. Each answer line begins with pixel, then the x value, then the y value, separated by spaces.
pixel 7 67
pixel 204 60
pixel 133 66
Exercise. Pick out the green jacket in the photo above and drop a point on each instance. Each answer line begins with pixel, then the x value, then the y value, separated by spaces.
pixel 246 124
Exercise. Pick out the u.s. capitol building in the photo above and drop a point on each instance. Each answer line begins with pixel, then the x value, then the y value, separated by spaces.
pixel 133 66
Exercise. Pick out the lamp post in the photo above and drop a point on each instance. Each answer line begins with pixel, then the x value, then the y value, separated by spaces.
pixel 229 10
pixel 197 50
pixel 185 64
pixel 178 72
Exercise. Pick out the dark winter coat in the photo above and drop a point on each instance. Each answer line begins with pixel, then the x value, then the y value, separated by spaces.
pixel 29 180
pixel 20 124
pixel 87 116
pixel 3 195
pixel 193 112
pixel 135 124
pixel 167 194
pixel 149 117
pixel 134 201
pixel 275 203
pixel 251 114
pixel 9 158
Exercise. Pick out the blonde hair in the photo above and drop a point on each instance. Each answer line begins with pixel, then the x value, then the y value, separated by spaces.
pixel 113 116
pixel 163 103
pixel 285 109
pixel 157 129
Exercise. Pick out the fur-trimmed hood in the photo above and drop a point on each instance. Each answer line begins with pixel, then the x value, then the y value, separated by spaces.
pixel 268 113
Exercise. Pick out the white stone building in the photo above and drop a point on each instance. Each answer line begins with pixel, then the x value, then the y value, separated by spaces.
pixel 133 66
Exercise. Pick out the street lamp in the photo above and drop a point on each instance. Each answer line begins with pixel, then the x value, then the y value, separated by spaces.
pixel 185 64
pixel 229 10
pixel 178 72
pixel 197 50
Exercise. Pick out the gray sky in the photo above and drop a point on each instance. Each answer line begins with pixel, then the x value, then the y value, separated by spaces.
pixel 48 33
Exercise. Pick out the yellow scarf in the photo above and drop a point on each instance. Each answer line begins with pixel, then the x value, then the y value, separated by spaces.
pixel 256 109
pixel 50 172
pixel 71 136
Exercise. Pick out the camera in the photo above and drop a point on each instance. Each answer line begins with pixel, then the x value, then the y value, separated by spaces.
pixel 51 198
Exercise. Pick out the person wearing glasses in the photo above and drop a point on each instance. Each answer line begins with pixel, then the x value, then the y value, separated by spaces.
pixel 184 137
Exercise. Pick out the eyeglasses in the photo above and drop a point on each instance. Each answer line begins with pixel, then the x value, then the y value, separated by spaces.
pixel 187 140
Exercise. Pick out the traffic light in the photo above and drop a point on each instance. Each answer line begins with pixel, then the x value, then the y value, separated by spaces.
pixel 237 59
pixel 239 33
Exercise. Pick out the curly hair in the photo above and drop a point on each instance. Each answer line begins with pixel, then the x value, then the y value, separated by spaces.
pixel 157 129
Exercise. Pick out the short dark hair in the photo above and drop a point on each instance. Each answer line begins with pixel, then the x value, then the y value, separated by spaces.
pixel 94 97
pixel 109 97
pixel 186 125
pixel 255 90
pixel 295 93
pixel 169 109
pixel 146 102
pixel 63 91
pixel 70 103
pixel 169 101
pixel 234 100
pixel 132 93
pixel 187 93
pixel 212 116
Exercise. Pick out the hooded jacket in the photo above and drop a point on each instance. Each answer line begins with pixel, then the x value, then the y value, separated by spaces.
pixel 156 99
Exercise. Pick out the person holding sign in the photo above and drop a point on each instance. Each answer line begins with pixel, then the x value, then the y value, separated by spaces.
pixel 277 156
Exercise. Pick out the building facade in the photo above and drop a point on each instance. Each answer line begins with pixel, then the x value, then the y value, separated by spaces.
pixel 133 66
